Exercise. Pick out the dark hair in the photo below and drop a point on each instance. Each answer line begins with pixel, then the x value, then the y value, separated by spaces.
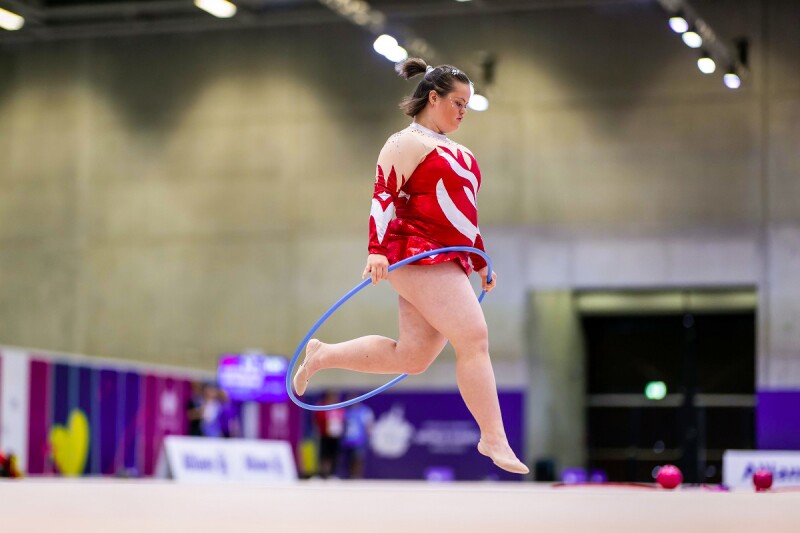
pixel 441 79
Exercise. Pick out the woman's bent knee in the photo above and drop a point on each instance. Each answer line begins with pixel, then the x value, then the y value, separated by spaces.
pixel 418 367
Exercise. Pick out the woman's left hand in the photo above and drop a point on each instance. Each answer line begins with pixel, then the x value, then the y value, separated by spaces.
pixel 483 273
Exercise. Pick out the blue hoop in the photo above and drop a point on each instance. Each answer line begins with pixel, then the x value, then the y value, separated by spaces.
pixel 346 297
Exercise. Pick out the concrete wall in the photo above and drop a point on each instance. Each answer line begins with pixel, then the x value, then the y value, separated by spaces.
pixel 169 198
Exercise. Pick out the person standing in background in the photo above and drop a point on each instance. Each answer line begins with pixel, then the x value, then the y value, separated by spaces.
pixel 211 412
pixel 194 411
pixel 330 425
pixel 357 428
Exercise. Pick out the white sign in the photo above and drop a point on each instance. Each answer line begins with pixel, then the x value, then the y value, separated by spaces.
pixel 738 467
pixel 207 459
pixel 14 392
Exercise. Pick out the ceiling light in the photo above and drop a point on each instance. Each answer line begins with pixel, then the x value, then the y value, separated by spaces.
pixel 219 8
pixel 384 44
pixel 10 21
pixel 732 80
pixel 692 39
pixel 478 102
pixel 396 54
pixel 706 64
pixel 678 24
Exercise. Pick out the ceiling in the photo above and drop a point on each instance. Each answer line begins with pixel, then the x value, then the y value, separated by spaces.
pixel 77 19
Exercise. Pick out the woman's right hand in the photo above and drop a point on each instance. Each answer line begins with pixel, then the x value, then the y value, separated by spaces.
pixel 377 268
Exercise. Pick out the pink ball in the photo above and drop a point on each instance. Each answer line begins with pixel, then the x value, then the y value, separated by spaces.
pixel 669 476
pixel 762 479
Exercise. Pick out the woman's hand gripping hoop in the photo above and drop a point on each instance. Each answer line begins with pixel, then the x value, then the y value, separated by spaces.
pixel 349 295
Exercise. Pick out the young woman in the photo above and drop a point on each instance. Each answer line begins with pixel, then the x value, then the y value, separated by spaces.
pixel 424 199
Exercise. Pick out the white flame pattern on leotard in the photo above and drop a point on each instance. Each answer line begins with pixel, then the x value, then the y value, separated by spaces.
pixel 382 216
pixel 458 219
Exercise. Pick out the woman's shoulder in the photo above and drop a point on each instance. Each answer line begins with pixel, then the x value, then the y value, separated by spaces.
pixel 404 141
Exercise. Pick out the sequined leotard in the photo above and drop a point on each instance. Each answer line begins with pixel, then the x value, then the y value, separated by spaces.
pixel 430 183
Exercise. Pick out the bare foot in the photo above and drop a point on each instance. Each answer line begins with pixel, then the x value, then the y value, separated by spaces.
pixel 503 456
pixel 304 374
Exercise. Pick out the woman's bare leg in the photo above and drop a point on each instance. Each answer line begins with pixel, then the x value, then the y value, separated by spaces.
pixel 444 297
pixel 436 303
pixel 418 345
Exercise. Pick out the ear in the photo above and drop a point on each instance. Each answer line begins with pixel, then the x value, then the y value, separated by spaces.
pixel 433 97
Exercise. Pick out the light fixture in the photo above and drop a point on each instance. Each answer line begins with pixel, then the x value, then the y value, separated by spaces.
pixel 678 23
pixel 219 8
pixel 397 54
pixel 706 64
pixel 692 39
pixel 387 46
pixel 732 80
pixel 384 44
pixel 478 102
pixel 10 21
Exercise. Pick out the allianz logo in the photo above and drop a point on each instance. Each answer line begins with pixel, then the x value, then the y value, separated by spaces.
pixel 779 472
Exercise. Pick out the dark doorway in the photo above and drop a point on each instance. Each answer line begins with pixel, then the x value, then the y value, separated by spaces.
pixel 706 360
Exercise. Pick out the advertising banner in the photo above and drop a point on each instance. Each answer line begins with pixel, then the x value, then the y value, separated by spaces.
pixel 193 459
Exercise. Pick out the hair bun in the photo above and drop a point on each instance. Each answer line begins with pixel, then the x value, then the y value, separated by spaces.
pixel 411 67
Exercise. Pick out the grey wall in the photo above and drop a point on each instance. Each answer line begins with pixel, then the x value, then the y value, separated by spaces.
pixel 169 198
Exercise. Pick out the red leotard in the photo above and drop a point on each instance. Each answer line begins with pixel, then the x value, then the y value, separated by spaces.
pixel 430 183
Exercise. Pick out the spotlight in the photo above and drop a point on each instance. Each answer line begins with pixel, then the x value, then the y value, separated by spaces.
pixel 706 64
pixel 219 8
pixel 10 21
pixel 478 102
pixel 692 39
pixel 678 23
pixel 384 44
pixel 396 54
pixel 387 46
pixel 732 80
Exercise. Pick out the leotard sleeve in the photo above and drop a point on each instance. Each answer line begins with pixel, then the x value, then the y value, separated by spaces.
pixel 398 159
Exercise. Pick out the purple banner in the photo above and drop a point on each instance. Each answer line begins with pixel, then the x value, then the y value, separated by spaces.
pixel 432 435
pixel 150 414
pixel 131 422
pixel 39 416
pixel 61 397
pixel 109 414
pixel 87 405
pixel 778 420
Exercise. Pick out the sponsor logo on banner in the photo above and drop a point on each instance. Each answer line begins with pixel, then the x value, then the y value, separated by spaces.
pixel 393 435
pixel 738 467
pixel 207 459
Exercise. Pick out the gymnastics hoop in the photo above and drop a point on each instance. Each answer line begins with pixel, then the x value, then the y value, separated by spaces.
pixel 342 300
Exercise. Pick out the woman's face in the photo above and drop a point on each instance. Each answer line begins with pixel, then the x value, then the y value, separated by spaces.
pixel 449 110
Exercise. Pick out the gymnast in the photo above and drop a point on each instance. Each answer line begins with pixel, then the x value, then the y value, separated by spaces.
pixel 425 199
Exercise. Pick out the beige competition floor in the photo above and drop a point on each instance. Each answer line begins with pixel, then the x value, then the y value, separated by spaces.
pixel 51 505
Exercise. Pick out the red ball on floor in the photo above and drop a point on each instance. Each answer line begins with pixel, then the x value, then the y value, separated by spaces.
pixel 669 476
pixel 762 479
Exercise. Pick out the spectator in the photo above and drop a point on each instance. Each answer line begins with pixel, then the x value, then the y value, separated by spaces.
pixel 357 428
pixel 194 411
pixel 330 425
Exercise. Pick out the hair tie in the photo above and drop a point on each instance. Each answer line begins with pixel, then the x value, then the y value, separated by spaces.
pixel 429 69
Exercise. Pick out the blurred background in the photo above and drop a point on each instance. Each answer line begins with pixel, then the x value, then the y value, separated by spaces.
pixel 183 194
